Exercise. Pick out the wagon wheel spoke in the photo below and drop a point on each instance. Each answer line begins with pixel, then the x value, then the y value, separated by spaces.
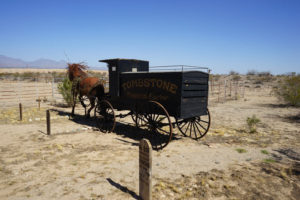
pixel 105 116
pixel 204 121
pixel 182 125
pixel 155 118
pixel 195 131
pixel 187 128
pixel 137 119
pixel 163 130
pixel 161 119
pixel 159 124
pixel 200 125
pixel 199 131
pixel 195 127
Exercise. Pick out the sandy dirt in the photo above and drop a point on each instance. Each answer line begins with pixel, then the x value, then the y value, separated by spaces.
pixel 79 162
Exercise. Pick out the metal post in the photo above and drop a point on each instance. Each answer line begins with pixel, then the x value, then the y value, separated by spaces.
pixel 48 122
pixel 20 108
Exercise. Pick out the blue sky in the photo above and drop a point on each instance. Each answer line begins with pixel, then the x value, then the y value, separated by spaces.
pixel 224 35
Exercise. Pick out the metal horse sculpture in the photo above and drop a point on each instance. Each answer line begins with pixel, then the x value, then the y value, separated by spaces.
pixel 84 85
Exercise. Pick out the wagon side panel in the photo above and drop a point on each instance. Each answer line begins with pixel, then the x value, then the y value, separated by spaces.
pixel 194 94
pixel 164 88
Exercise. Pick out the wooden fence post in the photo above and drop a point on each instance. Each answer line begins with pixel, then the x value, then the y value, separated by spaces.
pixel 236 89
pixel 145 170
pixel 48 122
pixel 211 87
pixel 52 87
pixel 230 89
pixel 21 112
pixel 39 103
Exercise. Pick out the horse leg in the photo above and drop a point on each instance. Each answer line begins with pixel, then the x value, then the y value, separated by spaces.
pixel 83 105
pixel 92 100
pixel 74 102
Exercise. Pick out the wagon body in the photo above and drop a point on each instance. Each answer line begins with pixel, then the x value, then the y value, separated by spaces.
pixel 152 98
pixel 184 94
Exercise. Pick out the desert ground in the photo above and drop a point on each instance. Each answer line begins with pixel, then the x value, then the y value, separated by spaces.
pixel 77 161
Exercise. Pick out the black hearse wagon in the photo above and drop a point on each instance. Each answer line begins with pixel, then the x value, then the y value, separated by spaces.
pixel 154 97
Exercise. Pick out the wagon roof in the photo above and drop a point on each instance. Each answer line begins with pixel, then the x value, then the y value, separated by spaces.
pixel 120 59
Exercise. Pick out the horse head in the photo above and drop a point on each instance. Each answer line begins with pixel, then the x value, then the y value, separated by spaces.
pixel 75 70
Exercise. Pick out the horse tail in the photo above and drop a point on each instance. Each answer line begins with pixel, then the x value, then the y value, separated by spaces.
pixel 99 91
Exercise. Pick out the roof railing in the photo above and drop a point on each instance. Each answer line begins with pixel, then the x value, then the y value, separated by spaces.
pixel 178 68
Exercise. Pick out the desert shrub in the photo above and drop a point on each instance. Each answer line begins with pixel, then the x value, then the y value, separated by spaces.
pixel 264 152
pixel 236 77
pixel 251 72
pixel 239 150
pixel 289 90
pixel 265 76
pixel 65 89
pixel 252 123
pixel 233 73
pixel 264 73
pixel 258 82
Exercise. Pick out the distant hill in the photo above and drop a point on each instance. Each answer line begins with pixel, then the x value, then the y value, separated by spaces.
pixel 8 62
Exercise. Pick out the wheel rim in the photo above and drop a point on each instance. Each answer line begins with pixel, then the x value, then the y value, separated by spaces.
pixel 105 116
pixel 194 127
pixel 157 121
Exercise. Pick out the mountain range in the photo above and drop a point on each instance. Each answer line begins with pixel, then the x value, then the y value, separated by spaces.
pixel 8 62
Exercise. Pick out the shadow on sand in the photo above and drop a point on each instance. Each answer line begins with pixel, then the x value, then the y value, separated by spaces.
pixel 126 130
pixel 123 189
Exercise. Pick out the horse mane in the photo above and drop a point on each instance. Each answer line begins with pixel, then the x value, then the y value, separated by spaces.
pixel 78 68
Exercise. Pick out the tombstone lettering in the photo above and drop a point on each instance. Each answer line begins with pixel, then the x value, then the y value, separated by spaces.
pixel 145 170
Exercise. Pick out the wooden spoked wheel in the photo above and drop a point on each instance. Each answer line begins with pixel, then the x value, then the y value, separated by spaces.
pixel 157 121
pixel 105 116
pixel 137 119
pixel 194 127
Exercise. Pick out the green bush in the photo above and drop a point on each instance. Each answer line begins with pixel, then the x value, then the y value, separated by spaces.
pixel 65 89
pixel 252 122
pixel 289 90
